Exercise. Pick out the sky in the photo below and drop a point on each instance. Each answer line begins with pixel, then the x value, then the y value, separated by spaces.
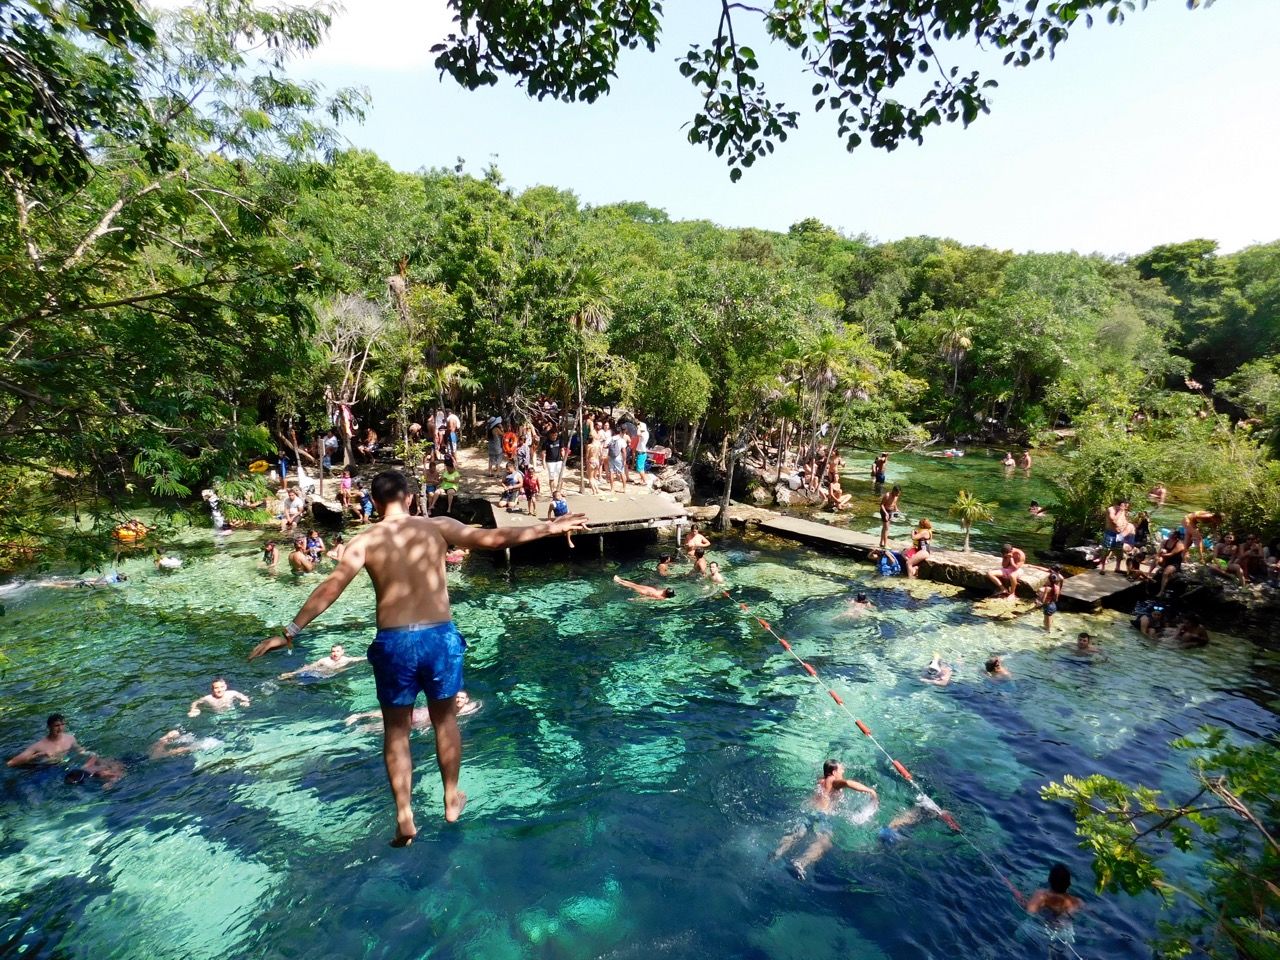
pixel 1158 130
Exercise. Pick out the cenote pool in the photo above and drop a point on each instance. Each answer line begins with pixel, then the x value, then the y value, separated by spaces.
pixel 631 769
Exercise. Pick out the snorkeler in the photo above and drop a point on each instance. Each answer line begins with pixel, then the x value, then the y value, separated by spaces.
pixel 923 809
pixel 218 699
pixel 417 649
pixel 826 795
pixel 649 593
pixel 937 672
pixel 334 663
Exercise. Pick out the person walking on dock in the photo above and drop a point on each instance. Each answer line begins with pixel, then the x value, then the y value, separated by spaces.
pixel 417 647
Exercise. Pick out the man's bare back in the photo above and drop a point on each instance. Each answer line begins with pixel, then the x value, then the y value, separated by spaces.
pixel 417 649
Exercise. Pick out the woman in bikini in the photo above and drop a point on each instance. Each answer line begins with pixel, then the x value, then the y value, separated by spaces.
pixel 921 538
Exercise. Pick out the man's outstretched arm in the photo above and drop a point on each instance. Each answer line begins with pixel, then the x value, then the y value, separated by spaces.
pixel 487 538
pixel 322 597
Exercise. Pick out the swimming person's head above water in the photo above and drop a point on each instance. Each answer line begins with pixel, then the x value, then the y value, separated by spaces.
pixel 832 768
pixel 1059 878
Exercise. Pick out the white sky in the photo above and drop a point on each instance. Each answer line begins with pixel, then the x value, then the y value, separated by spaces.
pixel 1159 130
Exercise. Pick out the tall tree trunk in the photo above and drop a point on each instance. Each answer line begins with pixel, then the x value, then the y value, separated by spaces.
pixel 783 439
pixel 582 440
pixel 966 538
pixel 729 459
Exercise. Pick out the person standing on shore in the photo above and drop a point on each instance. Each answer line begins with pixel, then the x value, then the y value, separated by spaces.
pixel 417 647
pixel 888 507
pixel 1113 535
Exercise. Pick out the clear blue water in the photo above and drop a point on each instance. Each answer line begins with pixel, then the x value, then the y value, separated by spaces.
pixel 631 769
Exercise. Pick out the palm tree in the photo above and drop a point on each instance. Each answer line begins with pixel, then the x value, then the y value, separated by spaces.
pixel 956 339
pixel 969 510
pixel 592 316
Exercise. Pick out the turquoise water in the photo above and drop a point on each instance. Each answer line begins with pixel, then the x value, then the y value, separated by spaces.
pixel 631 769
pixel 929 485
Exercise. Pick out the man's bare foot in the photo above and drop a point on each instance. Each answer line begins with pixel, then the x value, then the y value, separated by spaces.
pixel 616 578
pixel 452 811
pixel 406 831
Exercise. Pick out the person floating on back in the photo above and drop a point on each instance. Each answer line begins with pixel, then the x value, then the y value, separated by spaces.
pixel 417 647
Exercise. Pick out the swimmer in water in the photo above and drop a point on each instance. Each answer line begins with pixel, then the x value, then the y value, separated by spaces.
pixel 699 563
pixel 713 572
pixel 421 715
pixel 937 672
pixel 695 541
pixel 826 796
pixel 1056 901
pixel 54 747
pixel 218 699
pixel 1035 509
pixel 175 743
pixel 923 809
pixel 664 565
pixel 334 663
pixel 648 593
pixel 996 669
pixel 1085 644
pixel 859 606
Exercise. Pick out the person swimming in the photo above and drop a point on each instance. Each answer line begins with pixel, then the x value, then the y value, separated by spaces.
pixel 823 803
pixel 937 672
pixel 996 669
pixel 923 809
pixel 1057 904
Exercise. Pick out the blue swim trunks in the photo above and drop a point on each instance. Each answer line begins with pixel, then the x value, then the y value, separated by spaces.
pixel 421 656
pixel 1110 539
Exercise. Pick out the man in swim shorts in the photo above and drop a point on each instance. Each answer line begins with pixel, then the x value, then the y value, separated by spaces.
pixel 826 797
pixel 1006 578
pixel 417 647
pixel 1113 535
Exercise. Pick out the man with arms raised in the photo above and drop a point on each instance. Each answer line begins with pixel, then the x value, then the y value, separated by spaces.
pixel 417 647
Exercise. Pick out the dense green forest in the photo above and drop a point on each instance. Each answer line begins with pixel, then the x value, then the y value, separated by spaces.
pixel 190 263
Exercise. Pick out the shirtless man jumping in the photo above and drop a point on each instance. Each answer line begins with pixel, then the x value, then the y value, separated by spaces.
pixel 417 647
pixel 826 795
